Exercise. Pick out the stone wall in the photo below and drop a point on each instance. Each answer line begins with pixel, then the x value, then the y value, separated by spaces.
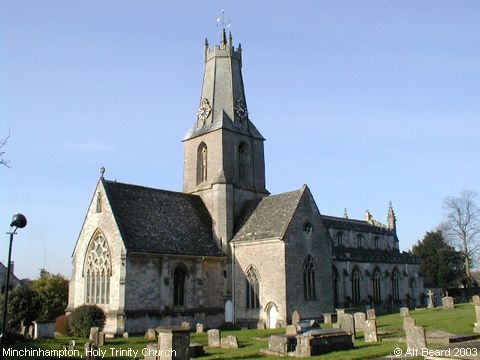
pixel 299 246
pixel 268 258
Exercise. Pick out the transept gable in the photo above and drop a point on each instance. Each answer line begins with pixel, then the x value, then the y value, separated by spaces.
pixel 270 216
pixel 99 218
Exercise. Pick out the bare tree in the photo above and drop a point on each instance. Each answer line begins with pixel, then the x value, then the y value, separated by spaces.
pixel 463 227
pixel 3 142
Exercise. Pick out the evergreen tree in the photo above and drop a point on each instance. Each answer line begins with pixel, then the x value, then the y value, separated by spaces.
pixel 52 291
pixel 440 264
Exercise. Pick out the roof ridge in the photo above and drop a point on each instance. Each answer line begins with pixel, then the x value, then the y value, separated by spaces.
pixel 150 188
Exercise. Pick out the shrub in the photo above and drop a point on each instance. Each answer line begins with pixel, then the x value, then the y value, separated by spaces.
pixel 84 317
pixel 61 324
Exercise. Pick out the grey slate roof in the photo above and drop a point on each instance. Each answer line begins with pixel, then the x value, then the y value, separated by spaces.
pixel 268 217
pixel 373 255
pixel 161 221
pixel 353 224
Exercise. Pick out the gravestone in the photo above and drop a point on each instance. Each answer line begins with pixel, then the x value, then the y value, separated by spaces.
pixel 71 345
pixel 371 314
pixel 186 325
pixel 125 335
pixel 43 329
pixel 404 311
pixel 408 323
pixel 329 318
pixel 340 313
pixel 359 319
pixel 295 317
pixel 195 350
pixel 416 338
pixel 431 305
pixel 94 335
pixel 151 335
pixel 447 303
pixel 476 325
pixel 291 330
pixel 476 300
pixel 91 350
pixel 101 339
pixel 370 332
pixel 348 324
pixel 151 352
pixel 229 342
pixel 199 328
pixel 31 331
pixel 214 338
pixel 173 342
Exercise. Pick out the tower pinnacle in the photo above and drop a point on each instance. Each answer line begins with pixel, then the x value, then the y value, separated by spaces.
pixel 391 218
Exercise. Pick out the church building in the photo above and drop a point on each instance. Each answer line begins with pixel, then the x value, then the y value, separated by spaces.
pixel 224 250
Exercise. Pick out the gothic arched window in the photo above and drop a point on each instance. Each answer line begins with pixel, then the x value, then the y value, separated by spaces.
pixel 412 285
pixel 309 279
pixel 339 237
pixel 179 276
pixel 359 238
pixel 376 283
pixel 395 284
pixel 202 157
pixel 252 284
pixel 336 285
pixel 377 242
pixel 98 272
pixel 356 278
pixel 242 160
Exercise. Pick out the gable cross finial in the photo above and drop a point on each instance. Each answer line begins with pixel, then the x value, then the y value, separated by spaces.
pixel 102 171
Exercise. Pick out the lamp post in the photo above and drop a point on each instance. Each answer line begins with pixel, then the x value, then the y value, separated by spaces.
pixel 19 221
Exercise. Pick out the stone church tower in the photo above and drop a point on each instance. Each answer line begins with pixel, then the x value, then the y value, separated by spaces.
pixel 224 158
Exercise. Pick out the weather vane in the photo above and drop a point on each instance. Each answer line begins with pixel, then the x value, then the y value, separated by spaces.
pixel 221 21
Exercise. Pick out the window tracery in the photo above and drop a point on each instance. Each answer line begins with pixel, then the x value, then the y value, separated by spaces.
pixel 98 272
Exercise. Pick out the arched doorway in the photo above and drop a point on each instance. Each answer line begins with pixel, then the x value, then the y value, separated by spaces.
pixel 272 314
pixel 228 311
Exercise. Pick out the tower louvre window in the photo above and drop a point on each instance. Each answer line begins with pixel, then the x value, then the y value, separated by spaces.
pixel 242 160
pixel 202 163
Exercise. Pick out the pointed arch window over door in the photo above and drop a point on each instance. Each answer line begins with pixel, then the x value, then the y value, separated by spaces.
pixel 98 272
pixel 309 279
pixel 202 162
pixel 252 285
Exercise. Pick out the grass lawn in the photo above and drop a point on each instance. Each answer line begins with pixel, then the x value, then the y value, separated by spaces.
pixel 459 321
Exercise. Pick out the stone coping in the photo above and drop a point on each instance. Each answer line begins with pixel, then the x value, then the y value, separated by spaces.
pixel 171 329
pixel 324 332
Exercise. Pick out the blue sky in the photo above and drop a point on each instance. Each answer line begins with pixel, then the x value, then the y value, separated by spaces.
pixel 365 101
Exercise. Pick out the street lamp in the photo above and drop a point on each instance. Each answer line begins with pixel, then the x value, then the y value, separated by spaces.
pixel 19 221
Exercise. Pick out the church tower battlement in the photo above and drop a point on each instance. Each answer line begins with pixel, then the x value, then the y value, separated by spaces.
pixel 223 151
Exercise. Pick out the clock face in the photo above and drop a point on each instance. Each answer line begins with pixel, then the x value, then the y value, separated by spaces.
pixel 241 110
pixel 203 112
